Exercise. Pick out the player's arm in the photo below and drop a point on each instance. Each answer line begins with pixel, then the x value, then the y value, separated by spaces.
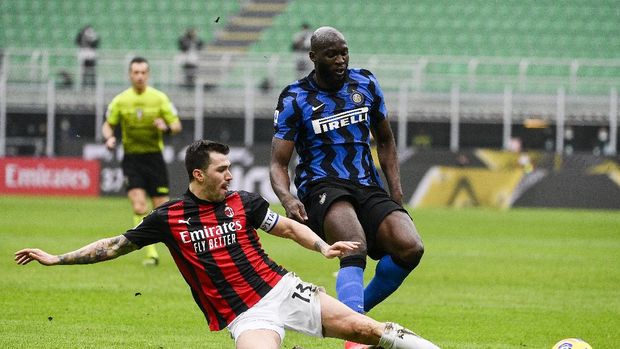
pixel 172 128
pixel 169 121
pixel 281 152
pixel 290 229
pixel 107 131
pixel 98 251
pixel 113 114
pixel 386 150
pixel 175 127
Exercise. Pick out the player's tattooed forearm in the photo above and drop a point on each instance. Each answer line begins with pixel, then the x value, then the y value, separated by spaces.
pixel 123 245
pixel 98 251
pixel 319 244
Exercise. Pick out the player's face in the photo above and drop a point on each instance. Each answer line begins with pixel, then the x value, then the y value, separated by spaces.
pixel 331 63
pixel 217 177
pixel 139 75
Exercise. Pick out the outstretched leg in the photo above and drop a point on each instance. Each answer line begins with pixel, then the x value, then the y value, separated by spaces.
pixel 339 321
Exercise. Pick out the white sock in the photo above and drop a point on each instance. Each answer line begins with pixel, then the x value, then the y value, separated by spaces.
pixel 397 337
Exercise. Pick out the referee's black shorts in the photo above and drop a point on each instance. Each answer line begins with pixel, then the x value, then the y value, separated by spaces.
pixel 372 204
pixel 147 171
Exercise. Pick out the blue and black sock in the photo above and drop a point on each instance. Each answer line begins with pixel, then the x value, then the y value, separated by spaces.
pixel 388 277
pixel 350 282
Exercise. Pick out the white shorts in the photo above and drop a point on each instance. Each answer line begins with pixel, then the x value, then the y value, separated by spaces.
pixel 292 305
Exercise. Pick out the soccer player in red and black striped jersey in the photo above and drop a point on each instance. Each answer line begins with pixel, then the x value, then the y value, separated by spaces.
pixel 211 233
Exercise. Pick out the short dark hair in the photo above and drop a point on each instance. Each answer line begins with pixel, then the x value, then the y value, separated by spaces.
pixel 138 60
pixel 197 155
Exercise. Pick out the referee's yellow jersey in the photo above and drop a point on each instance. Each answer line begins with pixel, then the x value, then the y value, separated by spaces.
pixel 136 114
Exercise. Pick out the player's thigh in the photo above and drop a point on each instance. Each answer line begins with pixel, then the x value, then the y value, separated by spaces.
pixel 341 223
pixel 340 321
pixel 258 338
pixel 397 232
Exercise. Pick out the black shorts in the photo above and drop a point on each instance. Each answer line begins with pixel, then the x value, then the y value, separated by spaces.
pixel 372 204
pixel 147 171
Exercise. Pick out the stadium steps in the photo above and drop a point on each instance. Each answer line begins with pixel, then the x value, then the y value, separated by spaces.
pixel 246 26
pixel 241 30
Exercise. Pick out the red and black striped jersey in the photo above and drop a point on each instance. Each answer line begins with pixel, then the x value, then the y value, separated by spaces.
pixel 217 250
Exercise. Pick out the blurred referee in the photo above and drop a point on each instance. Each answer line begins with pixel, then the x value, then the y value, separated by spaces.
pixel 145 115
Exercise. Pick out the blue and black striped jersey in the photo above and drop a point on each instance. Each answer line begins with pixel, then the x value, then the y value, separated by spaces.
pixel 331 129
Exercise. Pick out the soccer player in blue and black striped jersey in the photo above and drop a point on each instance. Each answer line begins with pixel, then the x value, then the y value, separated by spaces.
pixel 328 117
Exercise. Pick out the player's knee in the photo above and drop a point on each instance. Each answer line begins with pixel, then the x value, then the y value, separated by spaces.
pixel 361 250
pixel 410 256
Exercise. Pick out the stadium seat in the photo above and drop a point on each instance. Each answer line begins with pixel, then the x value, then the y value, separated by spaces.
pixel 107 16
pixel 529 28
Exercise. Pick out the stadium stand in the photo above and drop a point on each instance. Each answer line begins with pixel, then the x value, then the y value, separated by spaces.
pixel 548 42
pixel 557 29
pixel 426 47
pixel 560 33
pixel 122 24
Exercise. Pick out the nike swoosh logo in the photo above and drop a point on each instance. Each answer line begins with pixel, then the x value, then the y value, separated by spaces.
pixel 317 107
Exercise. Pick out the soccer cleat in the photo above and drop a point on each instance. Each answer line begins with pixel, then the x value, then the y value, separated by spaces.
pixel 397 337
pixel 353 345
pixel 150 262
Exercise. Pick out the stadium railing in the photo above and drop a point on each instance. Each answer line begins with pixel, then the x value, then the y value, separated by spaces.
pixel 417 88
pixel 423 73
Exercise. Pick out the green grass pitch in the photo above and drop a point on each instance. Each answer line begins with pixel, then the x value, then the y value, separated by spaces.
pixel 523 278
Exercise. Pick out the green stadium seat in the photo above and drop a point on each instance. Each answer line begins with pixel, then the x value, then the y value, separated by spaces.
pixel 528 28
pixel 437 85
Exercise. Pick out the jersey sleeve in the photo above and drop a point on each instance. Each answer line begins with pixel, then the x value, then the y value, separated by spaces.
pixel 378 110
pixel 168 111
pixel 258 213
pixel 286 117
pixel 113 113
pixel 148 232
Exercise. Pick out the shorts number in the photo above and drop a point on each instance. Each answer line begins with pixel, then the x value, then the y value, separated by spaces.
pixel 303 289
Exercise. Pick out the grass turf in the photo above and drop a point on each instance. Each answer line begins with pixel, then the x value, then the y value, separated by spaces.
pixel 523 278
